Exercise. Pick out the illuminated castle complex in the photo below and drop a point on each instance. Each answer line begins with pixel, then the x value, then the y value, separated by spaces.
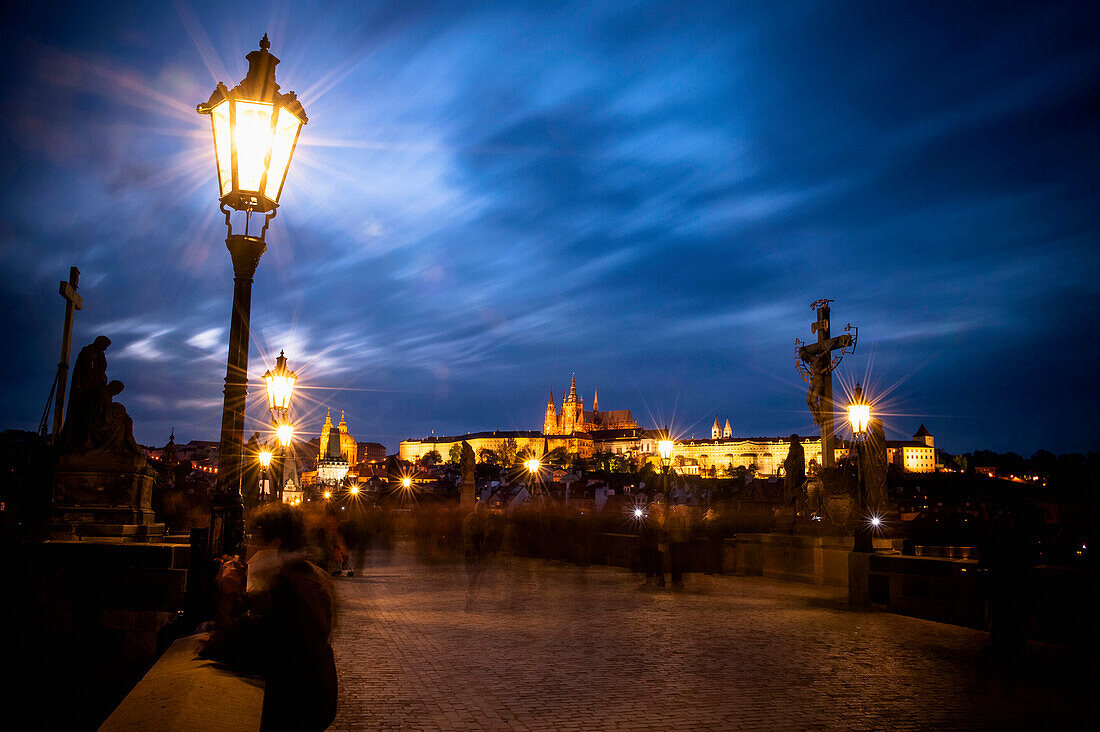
pixel 586 433
pixel 574 419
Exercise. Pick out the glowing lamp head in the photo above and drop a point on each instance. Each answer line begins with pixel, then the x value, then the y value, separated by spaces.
pixel 533 465
pixel 876 521
pixel 265 458
pixel 859 412
pixel 327 495
pixel 638 513
pixel 664 449
pixel 406 482
pixel 255 131
pixel 354 490
pixel 280 385
pixel 284 433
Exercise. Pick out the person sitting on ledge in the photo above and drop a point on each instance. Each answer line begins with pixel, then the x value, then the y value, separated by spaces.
pixel 284 632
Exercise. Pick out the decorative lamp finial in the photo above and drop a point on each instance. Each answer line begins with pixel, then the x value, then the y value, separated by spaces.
pixel 264 43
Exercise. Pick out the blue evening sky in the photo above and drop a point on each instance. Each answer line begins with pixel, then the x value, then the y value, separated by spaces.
pixel 489 196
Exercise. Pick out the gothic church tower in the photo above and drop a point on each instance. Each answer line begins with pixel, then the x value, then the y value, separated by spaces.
pixel 571 408
pixel 325 429
pixel 550 422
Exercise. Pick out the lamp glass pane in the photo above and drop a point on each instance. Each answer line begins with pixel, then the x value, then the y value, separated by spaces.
pixel 282 147
pixel 219 117
pixel 253 138
pixel 279 389
pixel 859 415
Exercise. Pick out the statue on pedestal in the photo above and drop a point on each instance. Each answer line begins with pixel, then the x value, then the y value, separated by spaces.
pixel 102 485
pixel 95 422
pixel 468 488
pixel 794 469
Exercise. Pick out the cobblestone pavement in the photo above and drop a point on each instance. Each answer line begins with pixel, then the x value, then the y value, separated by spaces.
pixel 546 646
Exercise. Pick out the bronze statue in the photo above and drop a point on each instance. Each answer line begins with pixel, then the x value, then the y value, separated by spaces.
pixel 467 463
pixel 819 367
pixel 468 486
pixel 794 469
pixel 88 384
pixel 95 422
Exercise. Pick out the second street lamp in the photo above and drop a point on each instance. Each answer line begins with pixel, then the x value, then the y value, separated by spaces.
pixel 859 414
pixel 280 383
pixel 533 466
pixel 265 462
pixel 284 434
pixel 664 449
pixel 255 129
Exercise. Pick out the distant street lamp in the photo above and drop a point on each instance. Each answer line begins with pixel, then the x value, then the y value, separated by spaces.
pixel 664 449
pixel 255 130
pixel 280 383
pixel 284 434
pixel 265 462
pixel 533 466
pixel 859 414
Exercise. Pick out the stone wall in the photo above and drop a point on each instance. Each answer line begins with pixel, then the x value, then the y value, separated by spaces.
pixel 86 620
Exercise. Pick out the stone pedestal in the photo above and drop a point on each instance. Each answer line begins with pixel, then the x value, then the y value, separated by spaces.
pixel 104 495
pixel 859 578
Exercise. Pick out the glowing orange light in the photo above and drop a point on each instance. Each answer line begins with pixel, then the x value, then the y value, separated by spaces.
pixel 285 433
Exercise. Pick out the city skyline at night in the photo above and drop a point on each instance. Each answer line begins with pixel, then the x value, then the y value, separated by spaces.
pixel 489 196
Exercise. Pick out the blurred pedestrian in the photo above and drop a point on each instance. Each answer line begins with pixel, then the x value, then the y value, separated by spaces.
pixel 652 563
pixel 286 628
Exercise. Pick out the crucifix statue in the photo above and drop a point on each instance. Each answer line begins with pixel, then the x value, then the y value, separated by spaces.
pixel 73 301
pixel 816 363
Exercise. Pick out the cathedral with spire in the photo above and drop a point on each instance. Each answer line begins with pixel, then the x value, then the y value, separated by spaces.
pixel 336 442
pixel 574 418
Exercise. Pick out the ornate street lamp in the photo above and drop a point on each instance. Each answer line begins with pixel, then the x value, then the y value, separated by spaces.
pixel 859 414
pixel 664 449
pixel 284 434
pixel 280 386
pixel 265 462
pixel 533 466
pixel 255 129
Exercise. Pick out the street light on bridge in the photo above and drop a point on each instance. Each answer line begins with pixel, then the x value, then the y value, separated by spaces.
pixel 664 450
pixel 255 130
pixel 859 414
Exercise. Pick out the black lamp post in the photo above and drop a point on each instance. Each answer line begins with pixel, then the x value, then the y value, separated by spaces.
pixel 859 414
pixel 255 131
